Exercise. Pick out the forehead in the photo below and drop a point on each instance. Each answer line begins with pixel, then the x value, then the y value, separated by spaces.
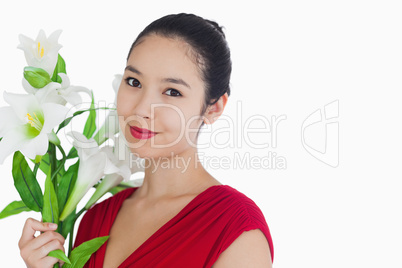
pixel 155 53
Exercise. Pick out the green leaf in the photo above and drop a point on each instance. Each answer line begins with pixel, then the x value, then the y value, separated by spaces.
pixel 67 120
pixel 26 183
pixel 90 124
pixel 67 224
pixel 66 185
pixel 50 212
pixel 73 153
pixel 13 208
pixel 45 164
pixel 60 255
pixel 81 254
pixel 60 68
pixel 36 77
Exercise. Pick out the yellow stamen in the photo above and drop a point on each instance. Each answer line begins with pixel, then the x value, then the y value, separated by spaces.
pixel 35 122
pixel 41 50
pixel 30 118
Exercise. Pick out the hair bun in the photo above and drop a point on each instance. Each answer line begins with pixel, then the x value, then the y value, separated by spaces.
pixel 217 27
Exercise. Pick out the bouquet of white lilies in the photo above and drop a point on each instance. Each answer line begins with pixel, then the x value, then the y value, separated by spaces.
pixel 29 129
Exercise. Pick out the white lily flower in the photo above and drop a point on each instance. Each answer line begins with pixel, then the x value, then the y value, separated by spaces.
pixel 120 155
pixel 135 163
pixel 58 93
pixel 116 84
pixel 27 125
pixel 111 125
pixel 94 164
pixel 110 180
pixel 43 52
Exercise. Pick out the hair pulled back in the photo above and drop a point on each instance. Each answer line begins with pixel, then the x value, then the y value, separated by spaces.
pixel 207 41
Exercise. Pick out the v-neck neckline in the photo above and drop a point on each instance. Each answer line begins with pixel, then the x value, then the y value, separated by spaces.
pixel 163 227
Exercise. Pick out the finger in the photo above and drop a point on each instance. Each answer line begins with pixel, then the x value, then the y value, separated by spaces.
pixel 43 251
pixel 48 262
pixel 30 228
pixel 43 239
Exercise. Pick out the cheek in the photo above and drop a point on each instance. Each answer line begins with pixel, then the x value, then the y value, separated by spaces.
pixel 180 121
pixel 172 118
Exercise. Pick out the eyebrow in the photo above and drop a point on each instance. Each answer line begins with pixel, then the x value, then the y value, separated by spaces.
pixel 132 69
pixel 178 81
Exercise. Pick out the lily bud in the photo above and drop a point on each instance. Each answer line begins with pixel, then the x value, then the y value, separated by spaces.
pixel 53 138
pixel 36 77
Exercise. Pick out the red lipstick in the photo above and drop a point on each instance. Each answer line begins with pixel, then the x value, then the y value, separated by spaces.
pixel 141 133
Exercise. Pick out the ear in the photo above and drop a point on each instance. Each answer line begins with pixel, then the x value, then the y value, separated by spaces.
pixel 214 111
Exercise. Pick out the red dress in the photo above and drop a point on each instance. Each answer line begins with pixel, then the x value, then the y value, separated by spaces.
pixel 195 237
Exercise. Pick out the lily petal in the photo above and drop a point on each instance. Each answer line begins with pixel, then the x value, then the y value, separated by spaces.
pixel 36 146
pixel 110 167
pixel 27 86
pixel 89 172
pixel 26 44
pixel 108 182
pixel 73 98
pixel 65 80
pixel 78 89
pixel 13 141
pixel 85 147
pixel 135 163
pixel 49 93
pixel 71 95
pixel 53 114
pixel 22 104
pixel 41 36
pixel 54 37
pixel 8 120
pixel 116 82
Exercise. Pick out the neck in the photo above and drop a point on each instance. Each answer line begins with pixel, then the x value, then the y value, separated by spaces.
pixel 174 175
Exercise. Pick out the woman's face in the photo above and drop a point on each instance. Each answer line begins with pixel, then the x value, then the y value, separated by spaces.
pixel 161 91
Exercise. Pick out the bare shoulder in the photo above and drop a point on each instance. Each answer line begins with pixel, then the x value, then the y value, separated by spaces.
pixel 250 249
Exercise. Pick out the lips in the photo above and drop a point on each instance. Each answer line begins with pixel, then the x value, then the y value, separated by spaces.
pixel 141 133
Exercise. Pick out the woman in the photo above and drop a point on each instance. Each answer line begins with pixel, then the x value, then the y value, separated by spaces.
pixel 176 79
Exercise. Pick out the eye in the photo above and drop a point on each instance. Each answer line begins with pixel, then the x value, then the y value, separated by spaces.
pixel 133 82
pixel 173 92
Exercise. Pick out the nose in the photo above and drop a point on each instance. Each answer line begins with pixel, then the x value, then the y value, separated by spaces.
pixel 142 107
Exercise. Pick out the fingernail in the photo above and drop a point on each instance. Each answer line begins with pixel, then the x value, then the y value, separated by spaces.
pixel 52 225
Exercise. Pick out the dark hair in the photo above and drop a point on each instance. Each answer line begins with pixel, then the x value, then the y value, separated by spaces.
pixel 209 45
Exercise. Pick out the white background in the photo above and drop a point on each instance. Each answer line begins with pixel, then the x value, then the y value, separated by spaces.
pixel 289 58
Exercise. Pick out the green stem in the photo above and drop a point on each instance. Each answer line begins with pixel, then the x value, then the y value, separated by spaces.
pixel 67 120
pixel 35 171
pixel 52 161
pixel 70 244
pixel 54 175
pixel 60 227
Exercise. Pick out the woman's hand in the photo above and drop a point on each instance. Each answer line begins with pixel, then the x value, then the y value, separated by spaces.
pixel 34 250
